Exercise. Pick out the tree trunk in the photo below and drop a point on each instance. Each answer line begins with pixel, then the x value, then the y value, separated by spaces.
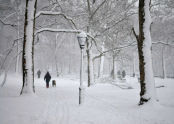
pixel 133 65
pixel 90 67
pixel 100 72
pixel 90 62
pixel 113 68
pixel 121 69
pixel 147 92
pixel 57 70
pixel 18 33
pixel 4 79
pixel 28 48
pixel 163 63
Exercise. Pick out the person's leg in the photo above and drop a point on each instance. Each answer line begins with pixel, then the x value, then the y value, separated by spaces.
pixel 47 84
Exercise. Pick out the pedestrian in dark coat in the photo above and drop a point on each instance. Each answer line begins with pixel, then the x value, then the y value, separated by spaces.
pixel 47 78
pixel 38 73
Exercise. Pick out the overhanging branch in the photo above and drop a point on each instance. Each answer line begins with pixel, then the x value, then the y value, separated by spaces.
pixel 55 13
pixel 116 48
pixel 57 30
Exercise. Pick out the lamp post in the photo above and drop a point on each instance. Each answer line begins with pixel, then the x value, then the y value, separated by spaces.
pixel 82 40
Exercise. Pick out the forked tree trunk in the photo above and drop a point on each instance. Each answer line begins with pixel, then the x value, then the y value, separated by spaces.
pixel 28 48
pixel 147 82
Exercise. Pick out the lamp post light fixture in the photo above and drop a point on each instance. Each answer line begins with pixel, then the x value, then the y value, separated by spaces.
pixel 82 41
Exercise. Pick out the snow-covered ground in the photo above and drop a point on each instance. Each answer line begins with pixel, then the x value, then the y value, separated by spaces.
pixel 105 103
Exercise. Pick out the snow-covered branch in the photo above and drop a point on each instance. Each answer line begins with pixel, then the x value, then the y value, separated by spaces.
pixel 68 31
pixel 115 24
pixel 57 30
pixel 55 13
pixel 160 42
pixel 121 47
pixel 116 48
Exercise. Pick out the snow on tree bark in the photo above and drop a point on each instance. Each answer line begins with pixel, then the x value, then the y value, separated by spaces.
pixel 28 48
pixel 147 82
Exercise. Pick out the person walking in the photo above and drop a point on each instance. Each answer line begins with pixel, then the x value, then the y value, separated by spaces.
pixel 47 78
pixel 38 73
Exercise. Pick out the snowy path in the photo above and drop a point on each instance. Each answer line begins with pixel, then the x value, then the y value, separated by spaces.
pixel 56 108
pixel 104 104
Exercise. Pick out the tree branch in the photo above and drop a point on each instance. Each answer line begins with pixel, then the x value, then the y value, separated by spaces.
pixel 13 45
pixel 121 47
pixel 95 42
pixel 9 16
pixel 89 8
pixel 136 36
pixel 13 25
pixel 97 9
pixel 159 42
pixel 55 13
pixel 57 30
pixel 112 26
pixel 116 48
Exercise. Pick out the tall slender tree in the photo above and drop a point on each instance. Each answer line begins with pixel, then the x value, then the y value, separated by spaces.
pixel 147 82
pixel 28 48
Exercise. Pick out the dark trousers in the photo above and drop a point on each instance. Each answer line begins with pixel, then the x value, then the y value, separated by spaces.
pixel 47 84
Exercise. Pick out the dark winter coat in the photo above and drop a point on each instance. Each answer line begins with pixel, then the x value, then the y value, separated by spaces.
pixel 47 77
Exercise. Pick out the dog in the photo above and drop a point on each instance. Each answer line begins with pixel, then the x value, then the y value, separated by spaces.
pixel 53 83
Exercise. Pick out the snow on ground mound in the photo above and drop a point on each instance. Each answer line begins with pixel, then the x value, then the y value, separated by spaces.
pixel 104 104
